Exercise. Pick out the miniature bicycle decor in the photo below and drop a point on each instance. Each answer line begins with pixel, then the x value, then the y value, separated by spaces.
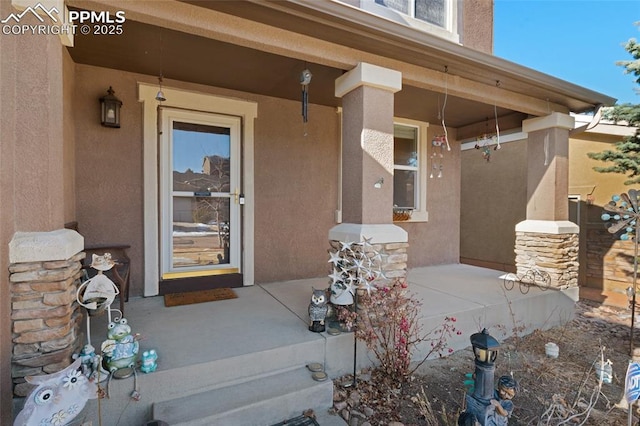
pixel 533 276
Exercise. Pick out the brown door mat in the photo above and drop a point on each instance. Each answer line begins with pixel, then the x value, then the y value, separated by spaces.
pixel 177 299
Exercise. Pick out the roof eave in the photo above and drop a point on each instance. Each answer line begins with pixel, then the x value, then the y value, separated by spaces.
pixel 575 94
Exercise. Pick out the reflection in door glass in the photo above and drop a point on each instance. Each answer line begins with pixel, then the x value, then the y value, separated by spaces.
pixel 201 160
pixel 201 172
pixel 200 231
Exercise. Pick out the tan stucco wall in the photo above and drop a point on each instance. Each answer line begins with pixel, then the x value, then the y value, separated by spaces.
pixel 368 144
pixel 69 131
pixel 493 201
pixel 437 241
pixel 296 181
pixel 109 165
pixel 295 176
pixel 32 164
pixel 487 227
pixel 477 31
pixel 8 82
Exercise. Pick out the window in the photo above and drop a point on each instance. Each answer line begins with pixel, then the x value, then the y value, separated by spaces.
pixel 431 11
pixel 409 165
pixel 438 17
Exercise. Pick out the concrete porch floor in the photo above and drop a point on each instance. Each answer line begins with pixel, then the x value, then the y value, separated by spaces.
pixel 266 318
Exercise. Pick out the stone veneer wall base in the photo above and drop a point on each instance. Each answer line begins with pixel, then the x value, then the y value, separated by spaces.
pixel 556 254
pixel 45 316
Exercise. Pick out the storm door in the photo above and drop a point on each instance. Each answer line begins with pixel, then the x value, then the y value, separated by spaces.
pixel 200 194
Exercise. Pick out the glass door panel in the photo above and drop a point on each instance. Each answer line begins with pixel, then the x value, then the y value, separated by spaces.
pixel 200 231
pixel 201 214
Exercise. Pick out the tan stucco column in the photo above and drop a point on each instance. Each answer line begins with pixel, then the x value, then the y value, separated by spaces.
pixel 367 93
pixel 548 166
pixel 367 142
pixel 31 157
pixel 546 240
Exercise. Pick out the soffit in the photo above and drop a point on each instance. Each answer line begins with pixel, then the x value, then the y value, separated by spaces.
pixel 342 24
pixel 150 49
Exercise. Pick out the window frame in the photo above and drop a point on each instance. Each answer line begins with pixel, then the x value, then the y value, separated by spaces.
pixel 420 213
pixel 449 31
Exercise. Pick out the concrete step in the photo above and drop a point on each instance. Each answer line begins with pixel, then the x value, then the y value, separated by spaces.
pixel 262 401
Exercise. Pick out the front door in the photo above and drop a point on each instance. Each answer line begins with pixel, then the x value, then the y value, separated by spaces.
pixel 200 194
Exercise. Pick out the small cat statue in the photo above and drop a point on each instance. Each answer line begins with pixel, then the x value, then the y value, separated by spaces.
pixel 318 310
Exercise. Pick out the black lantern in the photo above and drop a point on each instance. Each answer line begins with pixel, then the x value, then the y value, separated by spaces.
pixel 110 109
pixel 485 347
pixel 485 350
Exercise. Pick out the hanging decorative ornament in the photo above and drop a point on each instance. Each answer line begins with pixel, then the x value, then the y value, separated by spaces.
pixel 622 213
pixel 438 143
pixel 495 114
pixel 305 79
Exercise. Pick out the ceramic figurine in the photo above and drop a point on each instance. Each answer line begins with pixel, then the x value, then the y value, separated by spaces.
pixel 120 349
pixel 501 403
pixel 149 363
pixel 318 310
pixel 59 397
pixel 88 359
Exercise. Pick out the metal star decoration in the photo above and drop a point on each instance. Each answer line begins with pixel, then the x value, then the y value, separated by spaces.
pixel 624 215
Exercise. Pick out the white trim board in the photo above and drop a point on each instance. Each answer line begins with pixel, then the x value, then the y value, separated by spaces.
pixel 507 138
pixel 179 98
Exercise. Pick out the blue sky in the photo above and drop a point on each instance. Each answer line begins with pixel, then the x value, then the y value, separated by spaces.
pixel 575 40
pixel 190 148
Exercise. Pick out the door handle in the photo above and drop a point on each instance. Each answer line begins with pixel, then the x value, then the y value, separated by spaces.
pixel 236 195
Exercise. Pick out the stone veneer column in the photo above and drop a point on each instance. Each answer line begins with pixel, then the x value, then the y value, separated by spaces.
pixel 367 93
pixel 44 276
pixel 547 240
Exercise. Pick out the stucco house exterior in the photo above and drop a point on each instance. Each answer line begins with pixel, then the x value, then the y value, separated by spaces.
pixel 393 92
pixel 605 262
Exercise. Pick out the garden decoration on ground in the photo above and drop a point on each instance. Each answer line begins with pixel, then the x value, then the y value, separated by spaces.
pixel 550 391
pixel 58 397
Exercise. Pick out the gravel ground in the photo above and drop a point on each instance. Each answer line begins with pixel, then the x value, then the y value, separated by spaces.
pixel 564 390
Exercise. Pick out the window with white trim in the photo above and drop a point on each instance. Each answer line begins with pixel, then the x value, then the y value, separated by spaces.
pixel 431 11
pixel 438 17
pixel 409 165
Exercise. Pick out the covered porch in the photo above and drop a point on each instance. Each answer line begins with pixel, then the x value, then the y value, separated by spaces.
pixel 247 357
pixel 297 178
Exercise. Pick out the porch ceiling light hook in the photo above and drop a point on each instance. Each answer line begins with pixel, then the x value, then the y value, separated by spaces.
pixel 110 109
pixel 160 96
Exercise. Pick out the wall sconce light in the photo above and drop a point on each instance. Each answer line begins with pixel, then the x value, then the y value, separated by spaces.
pixel 110 109
pixel 378 183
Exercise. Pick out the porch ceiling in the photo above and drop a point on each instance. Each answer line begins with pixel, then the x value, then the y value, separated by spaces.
pixel 148 49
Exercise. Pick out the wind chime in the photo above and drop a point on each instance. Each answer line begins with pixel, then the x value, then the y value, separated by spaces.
pixel 485 141
pixel 305 79
pixel 439 142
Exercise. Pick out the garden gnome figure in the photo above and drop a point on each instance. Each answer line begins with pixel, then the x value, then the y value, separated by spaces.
pixel 501 403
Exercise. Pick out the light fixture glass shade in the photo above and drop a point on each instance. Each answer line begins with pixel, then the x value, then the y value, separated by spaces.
pixel 110 109
pixel 485 347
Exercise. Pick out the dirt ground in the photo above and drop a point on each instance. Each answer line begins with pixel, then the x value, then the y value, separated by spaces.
pixel 564 390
